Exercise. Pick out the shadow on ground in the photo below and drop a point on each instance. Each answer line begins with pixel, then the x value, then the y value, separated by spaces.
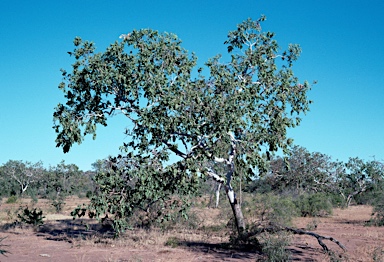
pixel 64 229
pixel 67 229
pixel 221 251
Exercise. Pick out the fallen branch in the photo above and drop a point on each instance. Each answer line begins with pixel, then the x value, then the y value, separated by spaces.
pixel 275 228
pixel 317 236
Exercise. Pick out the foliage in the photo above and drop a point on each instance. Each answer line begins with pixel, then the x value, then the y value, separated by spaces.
pixel 302 172
pixel 7 184
pixel 58 204
pixel 274 247
pixel 235 115
pixel 172 242
pixel 186 220
pixel 22 173
pixel 317 204
pixel 23 178
pixel 63 180
pixel 305 173
pixel 122 191
pixel 11 200
pixel 31 217
pixel 270 208
pixel 378 212
pixel 362 178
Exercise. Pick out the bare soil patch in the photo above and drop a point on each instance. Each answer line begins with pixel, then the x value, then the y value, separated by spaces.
pixel 64 239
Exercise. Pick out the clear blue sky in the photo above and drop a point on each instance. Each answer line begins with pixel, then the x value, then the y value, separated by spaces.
pixel 342 42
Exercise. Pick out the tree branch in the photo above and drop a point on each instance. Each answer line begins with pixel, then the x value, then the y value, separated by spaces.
pixel 317 236
pixel 175 150
pixel 275 228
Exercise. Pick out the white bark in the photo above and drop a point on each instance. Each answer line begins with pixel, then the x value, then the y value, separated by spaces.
pixel 218 187
pixel 240 223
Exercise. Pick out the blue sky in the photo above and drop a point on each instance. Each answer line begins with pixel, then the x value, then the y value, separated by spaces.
pixel 342 42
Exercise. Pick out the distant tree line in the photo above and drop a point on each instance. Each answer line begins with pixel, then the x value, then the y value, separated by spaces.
pixel 26 179
pixel 356 181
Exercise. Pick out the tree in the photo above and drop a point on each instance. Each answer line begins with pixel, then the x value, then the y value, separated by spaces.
pixel 7 184
pixel 359 177
pixel 304 172
pixel 236 114
pixel 63 180
pixel 24 173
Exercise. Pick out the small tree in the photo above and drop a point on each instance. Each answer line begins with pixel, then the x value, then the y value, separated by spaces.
pixel 236 114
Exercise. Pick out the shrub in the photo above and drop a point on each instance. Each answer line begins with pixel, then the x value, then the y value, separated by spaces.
pixel 58 204
pixel 378 212
pixel 11 200
pixel 270 208
pixel 336 200
pixel 317 204
pixel 35 199
pixel 172 242
pixel 31 217
pixel 274 247
pixel 188 220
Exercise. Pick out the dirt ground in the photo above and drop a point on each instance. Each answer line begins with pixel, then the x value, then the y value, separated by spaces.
pixel 62 239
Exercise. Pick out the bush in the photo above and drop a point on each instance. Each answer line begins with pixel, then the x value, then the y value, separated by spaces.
pixel 270 208
pixel 317 204
pixel 274 247
pixel 378 212
pixel 336 200
pixel 31 217
pixel 172 242
pixel 188 220
pixel 11 200
pixel 58 204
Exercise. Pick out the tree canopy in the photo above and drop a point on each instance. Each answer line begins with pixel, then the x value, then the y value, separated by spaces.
pixel 186 119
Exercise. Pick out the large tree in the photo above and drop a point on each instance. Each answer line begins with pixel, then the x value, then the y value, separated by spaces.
pixel 360 177
pixel 24 173
pixel 304 172
pixel 184 118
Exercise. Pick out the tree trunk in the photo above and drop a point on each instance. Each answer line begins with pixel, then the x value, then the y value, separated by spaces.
pixel 239 218
pixel 217 192
pixel 349 199
pixel 23 189
pixel 353 194
pixel 236 209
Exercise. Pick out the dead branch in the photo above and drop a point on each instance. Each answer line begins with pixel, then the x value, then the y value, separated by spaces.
pixel 317 236
pixel 272 228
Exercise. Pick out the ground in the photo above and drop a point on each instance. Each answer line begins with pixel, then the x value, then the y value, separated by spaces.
pixel 64 239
